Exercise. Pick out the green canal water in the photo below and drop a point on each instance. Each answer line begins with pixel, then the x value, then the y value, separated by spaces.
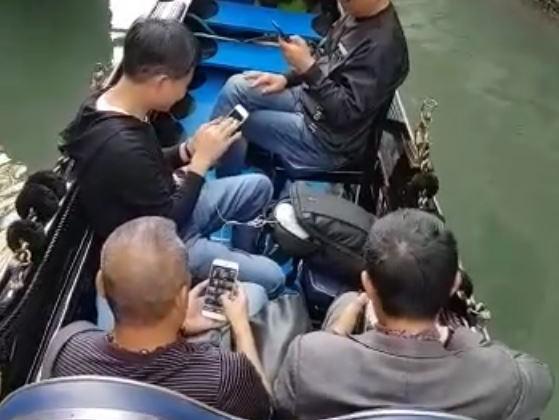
pixel 493 66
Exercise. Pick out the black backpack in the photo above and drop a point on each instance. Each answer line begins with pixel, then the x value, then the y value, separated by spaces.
pixel 324 228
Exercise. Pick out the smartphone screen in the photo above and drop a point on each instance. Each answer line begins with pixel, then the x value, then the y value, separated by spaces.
pixel 239 113
pixel 236 115
pixel 223 275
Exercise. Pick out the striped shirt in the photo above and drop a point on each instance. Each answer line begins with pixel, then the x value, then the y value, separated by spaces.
pixel 221 379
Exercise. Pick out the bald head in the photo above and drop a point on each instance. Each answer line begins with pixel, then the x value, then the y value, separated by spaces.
pixel 143 268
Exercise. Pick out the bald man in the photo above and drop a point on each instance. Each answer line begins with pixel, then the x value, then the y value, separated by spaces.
pixel 144 278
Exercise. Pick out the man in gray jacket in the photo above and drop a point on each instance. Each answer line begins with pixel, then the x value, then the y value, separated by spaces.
pixel 405 358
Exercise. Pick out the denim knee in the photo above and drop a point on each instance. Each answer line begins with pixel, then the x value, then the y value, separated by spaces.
pixel 235 87
pixel 256 296
pixel 261 187
pixel 272 278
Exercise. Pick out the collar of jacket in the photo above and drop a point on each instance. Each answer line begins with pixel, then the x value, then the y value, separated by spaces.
pixel 462 339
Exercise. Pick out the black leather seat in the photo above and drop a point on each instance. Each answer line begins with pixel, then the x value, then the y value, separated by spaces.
pixel 354 171
pixel 102 398
pixel 321 285
pixel 359 172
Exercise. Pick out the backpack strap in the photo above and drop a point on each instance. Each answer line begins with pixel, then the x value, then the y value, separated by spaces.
pixel 59 341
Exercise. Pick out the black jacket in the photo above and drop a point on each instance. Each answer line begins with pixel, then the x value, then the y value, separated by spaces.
pixel 122 171
pixel 359 66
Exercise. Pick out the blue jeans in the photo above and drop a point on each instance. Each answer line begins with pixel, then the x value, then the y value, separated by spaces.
pixel 276 123
pixel 240 198
pixel 256 296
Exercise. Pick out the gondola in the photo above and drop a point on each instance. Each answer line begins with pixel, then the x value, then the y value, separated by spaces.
pixel 56 285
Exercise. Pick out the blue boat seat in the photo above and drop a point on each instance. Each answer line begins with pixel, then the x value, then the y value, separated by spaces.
pixel 354 171
pixel 360 172
pixel 243 17
pixel 101 398
pixel 204 96
pixel 238 56
pixel 400 414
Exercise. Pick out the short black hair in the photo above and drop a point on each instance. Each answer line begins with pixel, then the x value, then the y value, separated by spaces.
pixel 159 46
pixel 412 260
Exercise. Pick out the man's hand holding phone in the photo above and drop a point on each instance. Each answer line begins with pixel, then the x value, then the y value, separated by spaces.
pixel 281 35
pixel 297 53
pixel 235 308
pixel 195 323
pixel 211 141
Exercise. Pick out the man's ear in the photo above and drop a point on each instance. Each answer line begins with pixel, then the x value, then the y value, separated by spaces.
pixel 99 284
pixel 457 283
pixel 160 80
pixel 367 284
pixel 182 297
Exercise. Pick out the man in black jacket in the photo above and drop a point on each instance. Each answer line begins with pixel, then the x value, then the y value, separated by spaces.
pixel 124 174
pixel 321 113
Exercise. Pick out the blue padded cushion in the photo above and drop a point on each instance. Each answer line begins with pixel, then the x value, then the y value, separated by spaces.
pixel 204 97
pixel 242 56
pixel 399 414
pixel 245 17
pixel 91 392
pixel 135 399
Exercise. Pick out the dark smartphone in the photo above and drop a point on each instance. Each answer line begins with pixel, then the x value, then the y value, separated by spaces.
pixel 280 32
pixel 223 275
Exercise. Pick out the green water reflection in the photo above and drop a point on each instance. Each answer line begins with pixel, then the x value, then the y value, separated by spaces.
pixel 493 66
pixel 48 51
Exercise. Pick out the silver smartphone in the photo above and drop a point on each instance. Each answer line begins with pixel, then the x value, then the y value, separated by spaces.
pixel 239 113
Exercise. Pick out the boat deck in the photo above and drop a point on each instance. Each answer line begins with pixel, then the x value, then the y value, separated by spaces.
pixel 237 16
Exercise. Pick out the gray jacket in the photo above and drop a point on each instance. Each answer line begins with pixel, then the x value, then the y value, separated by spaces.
pixel 327 375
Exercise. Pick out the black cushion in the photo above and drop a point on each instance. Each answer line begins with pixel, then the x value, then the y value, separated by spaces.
pixel 351 173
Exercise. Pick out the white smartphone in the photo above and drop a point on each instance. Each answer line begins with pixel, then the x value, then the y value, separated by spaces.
pixel 239 113
pixel 223 278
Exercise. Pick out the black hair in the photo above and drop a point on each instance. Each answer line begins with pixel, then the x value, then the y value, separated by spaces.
pixel 159 46
pixel 412 260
